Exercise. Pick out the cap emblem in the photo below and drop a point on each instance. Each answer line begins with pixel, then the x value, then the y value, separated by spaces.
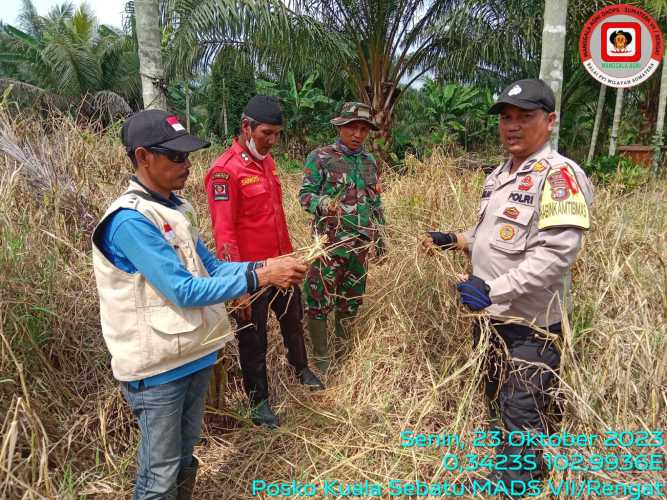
pixel 516 90
pixel 173 121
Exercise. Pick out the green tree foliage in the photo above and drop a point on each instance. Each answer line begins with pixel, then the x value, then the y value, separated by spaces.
pixel 627 174
pixel 449 114
pixel 370 44
pixel 231 85
pixel 68 53
pixel 307 110
pixel 189 100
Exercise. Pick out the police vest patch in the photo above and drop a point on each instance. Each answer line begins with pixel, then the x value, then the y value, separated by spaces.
pixel 523 198
pixel 526 184
pixel 562 203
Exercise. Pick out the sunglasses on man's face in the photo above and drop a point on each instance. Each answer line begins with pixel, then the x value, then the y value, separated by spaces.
pixel 175 156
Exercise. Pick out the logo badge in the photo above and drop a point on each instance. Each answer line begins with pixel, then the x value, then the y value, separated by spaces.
pixel 220 192
pixel 175 124
pixel 526 183
pixel 621 45
pixel 506 232
pixel 511 212
pixel 539 167
pixel 559 186
pixel 516 90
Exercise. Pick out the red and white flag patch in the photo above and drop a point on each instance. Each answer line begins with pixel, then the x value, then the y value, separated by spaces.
pixel 175 124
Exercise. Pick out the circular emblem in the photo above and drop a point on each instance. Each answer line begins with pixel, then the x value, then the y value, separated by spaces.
pixel 621 45
pixel 507 232
pixel 538 167
pixel 560 194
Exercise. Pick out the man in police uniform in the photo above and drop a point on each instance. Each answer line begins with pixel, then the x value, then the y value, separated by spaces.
pixel 534 210
pixel 341 188
pixel 245 203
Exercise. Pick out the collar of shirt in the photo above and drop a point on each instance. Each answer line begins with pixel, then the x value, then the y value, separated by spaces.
pixel 246 157
pixel 171 202
pixel 504 176
pixel 347 151
pixel 526 166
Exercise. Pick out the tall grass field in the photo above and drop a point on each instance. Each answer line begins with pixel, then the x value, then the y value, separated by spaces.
pixel 66 431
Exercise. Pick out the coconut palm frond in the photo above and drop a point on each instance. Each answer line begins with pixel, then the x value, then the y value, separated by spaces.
pixel 22 87
pixel 67 53
pixel 109 104
pixel 268 28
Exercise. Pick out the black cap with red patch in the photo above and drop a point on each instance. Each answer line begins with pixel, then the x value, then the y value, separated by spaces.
pixel 154 127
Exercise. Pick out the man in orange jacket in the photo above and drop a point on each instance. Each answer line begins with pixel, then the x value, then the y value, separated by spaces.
pixel 245 203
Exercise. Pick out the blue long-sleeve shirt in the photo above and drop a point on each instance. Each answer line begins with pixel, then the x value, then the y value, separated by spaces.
pixel 133 244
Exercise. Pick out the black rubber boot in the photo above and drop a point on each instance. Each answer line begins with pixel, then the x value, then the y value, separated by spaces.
pixel 186 480
pixel 263 414
pixel 308 378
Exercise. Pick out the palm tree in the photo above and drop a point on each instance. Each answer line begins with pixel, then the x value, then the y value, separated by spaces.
pixel 598 119
pixel 377 46
pixel 553 50
pixel 618 109
pixel 149 38
pixel 68 54
pixel 659 9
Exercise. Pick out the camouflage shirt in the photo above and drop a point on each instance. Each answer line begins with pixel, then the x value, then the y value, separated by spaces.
pixel 351 180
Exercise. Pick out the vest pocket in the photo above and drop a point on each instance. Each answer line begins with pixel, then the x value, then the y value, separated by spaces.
pixel 166 319
pixel 511 228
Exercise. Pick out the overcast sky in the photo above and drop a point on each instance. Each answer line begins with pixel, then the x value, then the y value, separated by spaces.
pixel 108 12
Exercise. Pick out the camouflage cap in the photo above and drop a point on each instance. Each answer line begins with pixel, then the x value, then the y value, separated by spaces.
pixel 354 112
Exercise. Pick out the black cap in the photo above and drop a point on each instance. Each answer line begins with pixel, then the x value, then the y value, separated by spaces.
pixel 264 109
pixel 526 94
pixel 154 127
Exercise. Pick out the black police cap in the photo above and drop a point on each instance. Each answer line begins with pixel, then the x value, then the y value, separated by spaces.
pixel 264 109
pixel 154 127
pixel 526 94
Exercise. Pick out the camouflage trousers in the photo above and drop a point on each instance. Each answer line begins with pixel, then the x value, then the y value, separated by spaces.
pixel 337 281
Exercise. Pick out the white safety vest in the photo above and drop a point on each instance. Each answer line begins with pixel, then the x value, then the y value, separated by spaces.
pixel 144 332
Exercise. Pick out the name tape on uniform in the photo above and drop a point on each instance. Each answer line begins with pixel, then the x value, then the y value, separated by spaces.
pixel 253 179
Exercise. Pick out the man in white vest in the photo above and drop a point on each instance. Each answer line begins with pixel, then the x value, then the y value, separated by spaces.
pixel 161 301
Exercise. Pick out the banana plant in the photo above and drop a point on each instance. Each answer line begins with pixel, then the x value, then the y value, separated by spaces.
pixel 306 105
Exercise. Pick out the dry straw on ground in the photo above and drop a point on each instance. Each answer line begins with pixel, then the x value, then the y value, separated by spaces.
pixel 66 431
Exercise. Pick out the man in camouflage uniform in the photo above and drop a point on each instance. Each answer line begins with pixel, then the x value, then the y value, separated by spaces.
pixel 341 189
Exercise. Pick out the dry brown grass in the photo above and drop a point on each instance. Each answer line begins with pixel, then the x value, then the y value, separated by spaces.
pixel 66 431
